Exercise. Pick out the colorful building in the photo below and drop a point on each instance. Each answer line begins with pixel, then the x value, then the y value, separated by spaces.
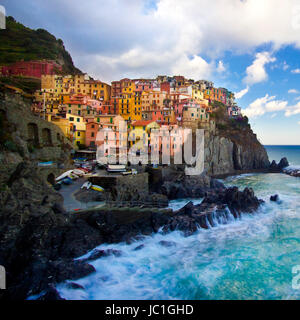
pixel 33 69
pixel 78 128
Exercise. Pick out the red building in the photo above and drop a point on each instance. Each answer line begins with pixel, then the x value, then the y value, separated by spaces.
pixel 34 69
pixel 165 87
pixel 118 86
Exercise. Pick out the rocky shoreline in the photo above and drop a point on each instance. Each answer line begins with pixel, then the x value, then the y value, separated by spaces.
pixel 39 239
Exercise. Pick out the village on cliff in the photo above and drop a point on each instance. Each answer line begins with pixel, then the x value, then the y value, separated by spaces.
pixel 81 106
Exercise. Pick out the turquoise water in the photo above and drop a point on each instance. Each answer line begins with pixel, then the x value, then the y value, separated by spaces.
pixel 250 258
pixel 247 259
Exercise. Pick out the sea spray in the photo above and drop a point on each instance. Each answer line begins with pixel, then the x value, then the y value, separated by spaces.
pixel 248 258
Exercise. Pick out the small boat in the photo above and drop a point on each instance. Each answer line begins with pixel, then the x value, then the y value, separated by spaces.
pixel 73 176
pixel 45 164
pixel 64 175
pixel 116 168
pixel 97 188
pixel 67 181
pixel 86 185
pixel 79 172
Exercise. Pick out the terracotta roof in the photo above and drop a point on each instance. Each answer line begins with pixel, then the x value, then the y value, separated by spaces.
pixel 142 123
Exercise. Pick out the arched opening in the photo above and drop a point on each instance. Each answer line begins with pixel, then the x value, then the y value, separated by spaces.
pixel 33 134
pixel 46 134
pixel 51 179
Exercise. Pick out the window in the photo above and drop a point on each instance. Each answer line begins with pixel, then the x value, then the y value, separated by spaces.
pixel 92 134
pixel 78 134
pixel 71 118
pixel 78 119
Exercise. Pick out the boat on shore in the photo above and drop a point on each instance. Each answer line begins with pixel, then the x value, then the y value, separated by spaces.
pixel 116 168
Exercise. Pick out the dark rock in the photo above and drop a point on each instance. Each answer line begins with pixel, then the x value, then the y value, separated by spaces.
pixel 74 286
pixel 273 165
pixel 51 294
pixel 167 244
pixel 274 198
pixel 187 209
pixel 283 163
pixel 216 184
pixel 141 246
pixel 71 270
pixel 97 254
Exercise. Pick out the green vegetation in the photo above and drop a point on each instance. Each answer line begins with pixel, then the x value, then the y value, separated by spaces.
pixel 18 42
pixel 219 111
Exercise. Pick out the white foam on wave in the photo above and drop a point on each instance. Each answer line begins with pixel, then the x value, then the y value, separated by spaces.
pixel 180 203
pixel 248 258
pixel 155 272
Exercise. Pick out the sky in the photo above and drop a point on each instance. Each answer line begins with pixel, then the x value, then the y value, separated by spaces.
pixel 251 47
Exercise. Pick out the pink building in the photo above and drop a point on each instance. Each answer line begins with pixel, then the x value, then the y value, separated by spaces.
pixel 91 134
pixel 141 86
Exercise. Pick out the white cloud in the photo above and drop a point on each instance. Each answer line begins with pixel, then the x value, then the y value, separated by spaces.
pixel 268 104
pixel 263 105
pixel 293 110
pixel 221 68
pixel 256 72
pixel 113 38
pixel 273 115
pixel 297 71
pixel 240 94
pixel 293 91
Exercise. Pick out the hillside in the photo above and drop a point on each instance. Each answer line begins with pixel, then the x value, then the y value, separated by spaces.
pixel 18 42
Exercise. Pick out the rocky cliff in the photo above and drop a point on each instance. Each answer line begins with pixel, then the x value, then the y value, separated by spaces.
pixel 231 147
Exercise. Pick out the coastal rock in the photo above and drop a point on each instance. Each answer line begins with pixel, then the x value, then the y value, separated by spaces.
pixel 187 187
pixel 228 151
pixel 283 163
pixel 274 198
pixel 51 294
pixel 167 244
pixel 140 247
pixel 97 254
pixel 74 286
pixel 273 165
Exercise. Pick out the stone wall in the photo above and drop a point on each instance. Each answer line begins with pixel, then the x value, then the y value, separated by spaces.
pixel 25 136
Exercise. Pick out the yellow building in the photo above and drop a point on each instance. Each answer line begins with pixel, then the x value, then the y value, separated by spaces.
pixel 197 94
pixel 78 127
pixel 140 132
pixel 64 125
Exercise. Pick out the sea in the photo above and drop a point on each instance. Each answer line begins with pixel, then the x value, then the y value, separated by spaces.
pixel 256 257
